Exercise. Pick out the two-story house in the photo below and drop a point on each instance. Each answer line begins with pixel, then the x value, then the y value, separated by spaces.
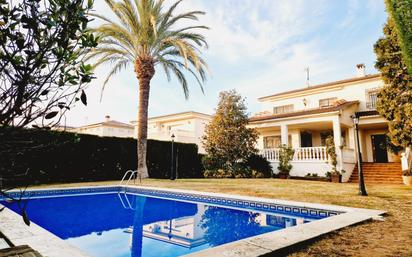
pixel 304 118
pixel 106 128
pixel 187 127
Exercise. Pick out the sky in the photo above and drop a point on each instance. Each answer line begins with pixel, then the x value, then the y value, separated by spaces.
pixel 258 47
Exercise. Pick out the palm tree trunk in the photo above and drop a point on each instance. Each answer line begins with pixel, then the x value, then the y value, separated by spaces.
pixel 144 69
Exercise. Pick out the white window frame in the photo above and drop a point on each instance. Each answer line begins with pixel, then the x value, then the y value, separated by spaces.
pixel 283 109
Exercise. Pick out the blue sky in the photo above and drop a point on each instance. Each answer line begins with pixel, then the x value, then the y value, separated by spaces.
pixel 258 47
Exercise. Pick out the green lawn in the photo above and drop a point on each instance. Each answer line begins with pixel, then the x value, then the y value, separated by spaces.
pixel 393 237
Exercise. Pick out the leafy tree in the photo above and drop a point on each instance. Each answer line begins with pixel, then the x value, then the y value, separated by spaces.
pixel 401 12
pixel 42 73
pixel 227 141
pixel 395 99
pixel 144 36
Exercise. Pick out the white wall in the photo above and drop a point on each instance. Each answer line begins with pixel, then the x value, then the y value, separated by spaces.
pixel 117 132
pixel 107 131
pixel 186 130
pixel 301 169
pixel 349 92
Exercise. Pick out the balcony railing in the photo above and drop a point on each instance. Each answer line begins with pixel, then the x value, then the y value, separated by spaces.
pixel 301 154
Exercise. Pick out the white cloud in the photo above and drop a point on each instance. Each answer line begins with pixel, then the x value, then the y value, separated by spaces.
pixel 259 47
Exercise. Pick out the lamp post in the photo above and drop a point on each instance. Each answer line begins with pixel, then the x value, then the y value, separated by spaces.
pixel 362 189
pixel 172 175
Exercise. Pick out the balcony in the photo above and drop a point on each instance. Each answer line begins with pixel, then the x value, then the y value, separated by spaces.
pixel 301 154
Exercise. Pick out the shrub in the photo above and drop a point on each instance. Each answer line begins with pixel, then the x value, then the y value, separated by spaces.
pixel 285 156
pixel 256 166
pixel 58 157
pixel 260 166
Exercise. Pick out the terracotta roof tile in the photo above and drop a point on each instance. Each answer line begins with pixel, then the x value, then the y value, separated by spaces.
pixel 322 85
pixel 339 106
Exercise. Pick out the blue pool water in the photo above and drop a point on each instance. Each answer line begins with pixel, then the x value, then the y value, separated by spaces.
pixel 120 225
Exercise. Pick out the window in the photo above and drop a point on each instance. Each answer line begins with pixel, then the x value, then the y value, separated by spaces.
pixel 371 98
pixel 275 141
pixel 283 109
pixel 327 102
pixel 271 142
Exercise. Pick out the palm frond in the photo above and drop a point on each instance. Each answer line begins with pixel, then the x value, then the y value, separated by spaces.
pixel 144 30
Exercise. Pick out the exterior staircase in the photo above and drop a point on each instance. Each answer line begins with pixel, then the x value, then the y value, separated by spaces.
pixel 379 173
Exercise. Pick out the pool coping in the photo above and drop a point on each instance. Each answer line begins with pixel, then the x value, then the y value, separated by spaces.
pixel 12 226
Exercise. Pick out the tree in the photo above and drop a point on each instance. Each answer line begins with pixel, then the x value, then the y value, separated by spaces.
pixel 42 73
pixel 145 37
pixel 395 99
pixel 401 12
pixel 227 140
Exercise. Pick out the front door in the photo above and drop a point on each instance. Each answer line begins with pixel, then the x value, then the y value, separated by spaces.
pixel 380 149
pixel 305 139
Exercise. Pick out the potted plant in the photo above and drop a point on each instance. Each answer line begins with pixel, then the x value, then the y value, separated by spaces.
pixel 335 175
pixel 407 177
pixel 285 156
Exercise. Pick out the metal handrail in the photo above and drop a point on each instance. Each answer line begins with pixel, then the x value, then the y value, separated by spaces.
pixel 132 173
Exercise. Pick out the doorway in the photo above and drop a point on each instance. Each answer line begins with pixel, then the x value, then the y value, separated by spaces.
pixel 305 139
pixel 379 148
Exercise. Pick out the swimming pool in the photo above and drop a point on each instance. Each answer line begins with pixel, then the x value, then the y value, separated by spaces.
pixel 120 222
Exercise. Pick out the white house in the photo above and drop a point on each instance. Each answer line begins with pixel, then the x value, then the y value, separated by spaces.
pixel 303 118
pixel 187 127
pixel 107 128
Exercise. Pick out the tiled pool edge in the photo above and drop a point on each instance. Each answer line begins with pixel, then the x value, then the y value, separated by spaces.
pixel 277 241
pixel 268 243
pixel 38 238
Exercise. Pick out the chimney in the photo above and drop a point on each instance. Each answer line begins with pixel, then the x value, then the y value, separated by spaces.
pixel 360 70
pixel 107 118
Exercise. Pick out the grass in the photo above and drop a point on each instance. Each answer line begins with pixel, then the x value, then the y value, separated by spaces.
pixel 392 237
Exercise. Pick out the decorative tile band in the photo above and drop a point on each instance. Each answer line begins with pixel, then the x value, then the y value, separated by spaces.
pixel 246 204
pixel 61 192
pixel 201 198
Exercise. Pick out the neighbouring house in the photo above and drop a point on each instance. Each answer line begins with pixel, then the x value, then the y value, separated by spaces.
pixel 304 118
pixel 187 127
pixel 107 128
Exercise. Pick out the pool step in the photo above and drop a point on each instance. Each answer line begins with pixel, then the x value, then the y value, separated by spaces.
pixel 379 173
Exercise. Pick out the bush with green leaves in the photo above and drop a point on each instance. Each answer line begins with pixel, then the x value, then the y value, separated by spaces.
pixel 42 73
pixel 400 12
pixel 61 157
pixel 228 141
pixel 331 151
pixel 395 98
pixel 285 156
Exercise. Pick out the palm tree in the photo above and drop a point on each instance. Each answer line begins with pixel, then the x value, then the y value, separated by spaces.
pixel 146 35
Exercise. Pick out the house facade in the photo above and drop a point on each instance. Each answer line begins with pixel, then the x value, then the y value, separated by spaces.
pixel 187 127
pixel 304 118
pixel 107 128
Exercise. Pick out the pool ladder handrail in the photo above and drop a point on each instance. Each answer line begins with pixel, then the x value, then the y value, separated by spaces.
pixel 132 173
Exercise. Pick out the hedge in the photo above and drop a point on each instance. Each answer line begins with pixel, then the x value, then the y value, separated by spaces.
pixel 59 157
